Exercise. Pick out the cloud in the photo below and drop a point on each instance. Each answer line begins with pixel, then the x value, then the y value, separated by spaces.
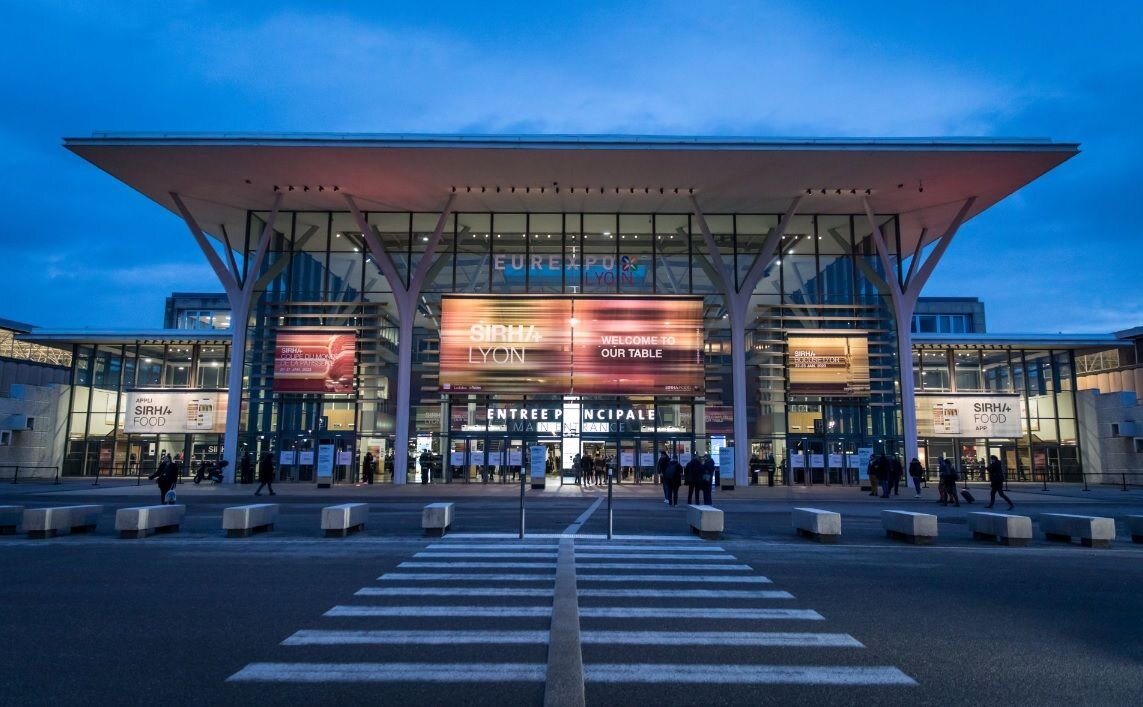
pixel 673 71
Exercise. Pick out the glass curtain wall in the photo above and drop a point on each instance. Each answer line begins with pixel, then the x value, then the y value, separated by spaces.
pixel 825 276
pixel 1045 448
pixel 103 375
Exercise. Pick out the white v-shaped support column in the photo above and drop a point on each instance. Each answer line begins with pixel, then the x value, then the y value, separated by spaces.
pixel 406 300
pixel 904 297
pixel 240 287
pixel 737 297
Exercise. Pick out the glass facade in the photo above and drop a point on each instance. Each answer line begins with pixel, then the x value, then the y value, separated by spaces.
pixel 1040 440
pixel 827 280
pixel 112 382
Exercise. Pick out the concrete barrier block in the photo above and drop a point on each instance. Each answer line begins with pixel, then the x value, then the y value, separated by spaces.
pixel 142 521
pixel 46 522
pixel 917 528
pixel 241 521
pixel 436 518
pixel 10 517
pixel 706 521
pixel 84 518
pixel 1093 531
pixel 1003 528
pixel 343 519
pixel 823 526
pixel 1135 527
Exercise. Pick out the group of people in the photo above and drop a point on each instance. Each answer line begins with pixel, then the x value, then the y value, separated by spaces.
pixel 885 473
pixel 699 475
pixel 885 476
pixel 591 469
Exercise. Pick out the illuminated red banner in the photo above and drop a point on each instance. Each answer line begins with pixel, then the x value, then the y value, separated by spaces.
pixel 314 361
pixel 638 347
pixel 505 345
pixel 588 346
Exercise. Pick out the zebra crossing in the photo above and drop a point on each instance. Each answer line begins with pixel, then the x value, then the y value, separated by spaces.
pixel 687 627
pixel 647 611
pixel 424 622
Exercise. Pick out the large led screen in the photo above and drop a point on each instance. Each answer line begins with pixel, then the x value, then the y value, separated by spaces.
pixel 505 345
pixel 314 360
pixel 637 347
pixel 585 346
pixel 828 365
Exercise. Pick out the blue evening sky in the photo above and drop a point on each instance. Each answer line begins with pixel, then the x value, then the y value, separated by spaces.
pixel 1064 254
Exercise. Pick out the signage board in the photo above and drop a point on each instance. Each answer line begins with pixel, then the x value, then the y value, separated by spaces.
pixel 345 457
pixel 864 456
pixel 175 413
pixel 828 365
pixel 324 473
pixel 315 360
pixel 996 416
pixel 306 457
pixel 797 460
pixel 581 345
pixel 287 459
pixel 726 466
pixel 538 458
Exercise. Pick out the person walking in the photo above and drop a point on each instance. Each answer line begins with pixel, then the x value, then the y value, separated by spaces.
pixel 266 474
pixel 369 467
pixel 661 469
pixel 947 479
pixel 916 473
pixel 692 477
pixel 675 475
pixel 707 478
pixel 895 472
pixel 166 476
pixel 577 468
pixel 871 471
pixel 996 482
pixel 883 473
pixel 588 469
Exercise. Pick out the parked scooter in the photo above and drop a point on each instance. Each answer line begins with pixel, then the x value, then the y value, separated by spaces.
pixel 210 470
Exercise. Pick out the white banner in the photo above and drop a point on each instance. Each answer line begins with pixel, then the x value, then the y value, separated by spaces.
pixel 174 413
pixel 968 416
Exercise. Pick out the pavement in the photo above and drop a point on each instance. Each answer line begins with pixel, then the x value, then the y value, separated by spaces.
pixel 566 615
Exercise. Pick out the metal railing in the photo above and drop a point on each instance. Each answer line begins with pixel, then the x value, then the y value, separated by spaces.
pixel 29 473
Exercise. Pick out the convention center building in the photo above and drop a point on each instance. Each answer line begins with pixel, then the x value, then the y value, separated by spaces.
pixel 465 307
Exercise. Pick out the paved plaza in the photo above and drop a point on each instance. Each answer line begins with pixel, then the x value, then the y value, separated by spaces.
pixel 565 615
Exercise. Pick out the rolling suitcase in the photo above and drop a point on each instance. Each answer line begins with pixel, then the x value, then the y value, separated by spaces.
pixel 967 496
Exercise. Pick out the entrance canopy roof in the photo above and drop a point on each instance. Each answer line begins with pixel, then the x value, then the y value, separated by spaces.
pixel 926 180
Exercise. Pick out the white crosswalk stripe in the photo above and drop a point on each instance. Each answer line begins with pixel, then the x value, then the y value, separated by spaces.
pixel 682 596
pixel 627 594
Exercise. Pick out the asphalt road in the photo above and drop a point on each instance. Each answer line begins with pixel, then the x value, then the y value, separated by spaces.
pixel 192 617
